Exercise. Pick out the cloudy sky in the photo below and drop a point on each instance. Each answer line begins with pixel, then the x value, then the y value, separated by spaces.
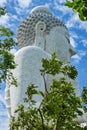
pixel 20 9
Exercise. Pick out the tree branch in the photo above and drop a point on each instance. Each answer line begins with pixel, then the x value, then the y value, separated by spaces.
pixel 43 128
pixel 45 83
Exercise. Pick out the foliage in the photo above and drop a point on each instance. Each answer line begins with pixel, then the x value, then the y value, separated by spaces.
pixel 79 6
pixel 59 107
pixel 2 11
pixel 84 98
pixel 84 95
pixel 6 44
pixel 55 66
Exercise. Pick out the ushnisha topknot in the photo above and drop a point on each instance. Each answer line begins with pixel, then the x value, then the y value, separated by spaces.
pixel 41 9
pixel 26 30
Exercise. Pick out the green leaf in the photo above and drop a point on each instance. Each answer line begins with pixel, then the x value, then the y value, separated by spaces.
pixel 69 4
pixel 84 95
pixel 79 6
pixel 5 31
pixel 2 11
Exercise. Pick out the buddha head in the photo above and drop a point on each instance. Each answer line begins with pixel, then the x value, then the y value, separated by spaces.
pixel 41 28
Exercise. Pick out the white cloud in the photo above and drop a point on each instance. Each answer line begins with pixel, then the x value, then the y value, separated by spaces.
pixel 73 43
pixel 1 98
pixel 74 35
pixel 14 17
pixel 83 25
pixel 84 42
pixel 62 1
pixel 4 121
pixel 21 11
pixel 13 51
pixel 4 20
pixel 21 6
pixel 24 3
pixel 73 21
pixel 64 9
pixel 82 53
pixel 3 2
pixel 18 10
pixel 77 58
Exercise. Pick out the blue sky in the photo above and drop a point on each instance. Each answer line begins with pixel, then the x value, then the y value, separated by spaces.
pixel 20 9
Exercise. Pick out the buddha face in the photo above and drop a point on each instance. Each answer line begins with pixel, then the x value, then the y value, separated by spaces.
pixel 57 40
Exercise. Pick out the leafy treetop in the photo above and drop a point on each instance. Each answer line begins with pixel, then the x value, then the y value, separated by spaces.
pixel 79 6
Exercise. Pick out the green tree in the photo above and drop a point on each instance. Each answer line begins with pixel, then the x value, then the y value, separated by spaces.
pixel 6 44
pixel 79 6
pixel 59 107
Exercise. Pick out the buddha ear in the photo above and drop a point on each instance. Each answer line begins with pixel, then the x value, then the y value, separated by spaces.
pixel 71 50
pixel 40 27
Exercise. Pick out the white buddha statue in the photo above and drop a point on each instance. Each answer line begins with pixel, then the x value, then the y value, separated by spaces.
pixel 39 35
